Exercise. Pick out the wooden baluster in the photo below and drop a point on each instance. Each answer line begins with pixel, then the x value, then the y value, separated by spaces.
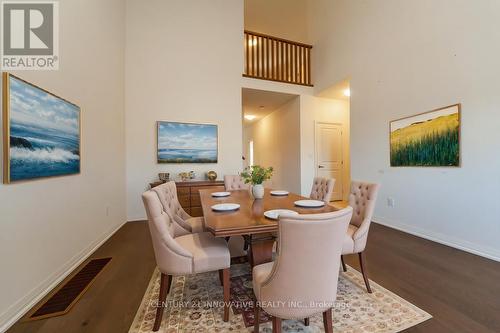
pixel 282 45
pixel 272 60
pixel 295 71
pixel 254 56
pixel 247 58
pixel 301 64
pixel 308 66
pixel 267 58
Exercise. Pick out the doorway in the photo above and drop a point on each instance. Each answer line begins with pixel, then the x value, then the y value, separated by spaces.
pixel 329 162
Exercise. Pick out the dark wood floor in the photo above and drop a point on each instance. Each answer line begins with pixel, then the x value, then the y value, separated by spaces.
pixel 461 290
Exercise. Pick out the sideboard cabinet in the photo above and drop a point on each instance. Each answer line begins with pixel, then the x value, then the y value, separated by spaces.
pixel 188 193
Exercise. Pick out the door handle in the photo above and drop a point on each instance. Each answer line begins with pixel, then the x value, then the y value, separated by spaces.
pixel 320 166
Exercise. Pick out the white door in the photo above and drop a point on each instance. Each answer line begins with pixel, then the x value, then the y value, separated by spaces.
pixel 329 161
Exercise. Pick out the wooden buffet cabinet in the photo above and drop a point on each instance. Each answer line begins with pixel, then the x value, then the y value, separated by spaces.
pixel 189 195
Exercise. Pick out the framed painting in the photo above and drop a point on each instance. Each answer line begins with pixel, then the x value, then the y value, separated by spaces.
pixel 186 142
pixel 430 139
pixel 41 132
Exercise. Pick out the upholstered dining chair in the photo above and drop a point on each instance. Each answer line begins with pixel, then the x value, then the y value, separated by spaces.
pixel 322 189
pixel 301 282
pixel 168 196
pixel 362 199
pixel 235 183
pixel 183 255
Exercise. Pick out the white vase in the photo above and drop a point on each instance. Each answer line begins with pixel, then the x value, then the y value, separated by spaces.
pixel 258 191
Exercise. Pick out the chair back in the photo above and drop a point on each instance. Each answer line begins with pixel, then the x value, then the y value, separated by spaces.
pixel 167 193
pixel 322 189
pixel 235 183
pixel 305 273
pixel 171 258
pixel 362 199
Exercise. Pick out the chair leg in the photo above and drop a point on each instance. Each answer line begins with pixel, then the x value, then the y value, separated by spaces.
pixel 276 325
pixel 221 277
pixel 344 268
pixel 306 321
pixel 256 310
pixel 165 281
pixel 327 321
pixel 362 263
pixel 227 292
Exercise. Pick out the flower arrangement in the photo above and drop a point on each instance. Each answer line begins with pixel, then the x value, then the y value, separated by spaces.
pixel 256 174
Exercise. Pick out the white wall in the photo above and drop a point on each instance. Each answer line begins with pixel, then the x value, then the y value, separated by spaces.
pixel 276 140
pixel 47 226
pixel 313 110
pixel 280 18
pixel 403 58
pixel 184 61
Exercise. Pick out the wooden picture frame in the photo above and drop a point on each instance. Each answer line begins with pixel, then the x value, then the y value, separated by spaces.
pixel 428 139
pixel 185 142
pixel 41 132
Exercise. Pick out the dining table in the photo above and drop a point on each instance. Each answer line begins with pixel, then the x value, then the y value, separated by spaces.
pixel 249 221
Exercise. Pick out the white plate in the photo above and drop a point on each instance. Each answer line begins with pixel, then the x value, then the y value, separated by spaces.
pixel 221 194
pixel 279 193
pixel 309 203
pixel 275 213
pixel 225 207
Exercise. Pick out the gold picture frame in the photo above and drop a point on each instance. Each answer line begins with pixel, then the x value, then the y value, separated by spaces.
pixel 64 156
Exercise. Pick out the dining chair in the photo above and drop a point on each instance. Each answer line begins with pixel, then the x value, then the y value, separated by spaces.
pixel 322 189
pixel 362 199
pixel 183 255
pixel 235 183
pixel 167 193
pixel 301 282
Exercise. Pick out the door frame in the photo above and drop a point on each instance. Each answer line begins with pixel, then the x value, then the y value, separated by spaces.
pixel 316 154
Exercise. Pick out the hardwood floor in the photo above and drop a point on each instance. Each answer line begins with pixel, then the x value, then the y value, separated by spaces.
pixel 112 301
pixel 461 290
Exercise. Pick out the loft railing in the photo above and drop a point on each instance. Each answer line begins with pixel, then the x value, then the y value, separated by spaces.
pixel 277 59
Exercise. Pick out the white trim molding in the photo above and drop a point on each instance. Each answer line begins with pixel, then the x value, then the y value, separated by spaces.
pixel 21 307
pixel 447 240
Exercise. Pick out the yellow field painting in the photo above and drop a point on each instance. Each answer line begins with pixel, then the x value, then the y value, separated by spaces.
pixel 430 139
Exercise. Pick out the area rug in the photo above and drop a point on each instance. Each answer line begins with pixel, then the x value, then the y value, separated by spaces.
pixel 194 305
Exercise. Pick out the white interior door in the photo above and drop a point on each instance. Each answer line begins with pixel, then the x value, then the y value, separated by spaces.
pixel 329 162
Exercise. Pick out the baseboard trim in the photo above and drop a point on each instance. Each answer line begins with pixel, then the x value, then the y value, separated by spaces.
pixel 441 239
pixel 21 307
pixel 138 220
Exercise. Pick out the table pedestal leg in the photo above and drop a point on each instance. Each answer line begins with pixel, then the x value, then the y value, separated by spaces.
pixel 261 249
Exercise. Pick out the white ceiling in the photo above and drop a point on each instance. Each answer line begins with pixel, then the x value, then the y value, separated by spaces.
pixel 261 103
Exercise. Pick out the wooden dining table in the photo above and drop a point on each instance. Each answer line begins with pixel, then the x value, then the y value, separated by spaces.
pixel 249 220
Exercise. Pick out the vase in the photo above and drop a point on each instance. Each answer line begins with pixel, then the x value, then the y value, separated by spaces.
pixel 258 191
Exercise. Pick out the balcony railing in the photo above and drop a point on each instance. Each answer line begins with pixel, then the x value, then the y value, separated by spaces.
pixel 277 59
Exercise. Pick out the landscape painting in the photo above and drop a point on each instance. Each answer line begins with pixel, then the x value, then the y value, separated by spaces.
pixel 431 139
pixel 186 143
pixel 41 132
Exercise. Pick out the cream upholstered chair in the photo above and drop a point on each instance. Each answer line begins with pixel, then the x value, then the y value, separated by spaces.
pixel 184 254
pixel 168 196
pixel 301 282
pixel 235 183
pixel 362 199
pixel 322 189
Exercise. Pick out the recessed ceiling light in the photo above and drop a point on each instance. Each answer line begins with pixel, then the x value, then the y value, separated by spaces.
pixel 347 92
pixel 261 107
pixel 250 117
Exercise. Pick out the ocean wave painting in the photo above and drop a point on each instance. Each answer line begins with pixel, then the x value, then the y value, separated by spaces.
pixel 186 143
pixel 44 133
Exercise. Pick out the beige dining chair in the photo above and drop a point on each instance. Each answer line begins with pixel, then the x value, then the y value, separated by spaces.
pixel 168 196
pixel 182 255
pixel 235 183
pixel 362 199
pixel 302 281
pixel 322 189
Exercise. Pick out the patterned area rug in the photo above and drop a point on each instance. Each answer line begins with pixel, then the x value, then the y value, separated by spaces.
pixel 194 305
